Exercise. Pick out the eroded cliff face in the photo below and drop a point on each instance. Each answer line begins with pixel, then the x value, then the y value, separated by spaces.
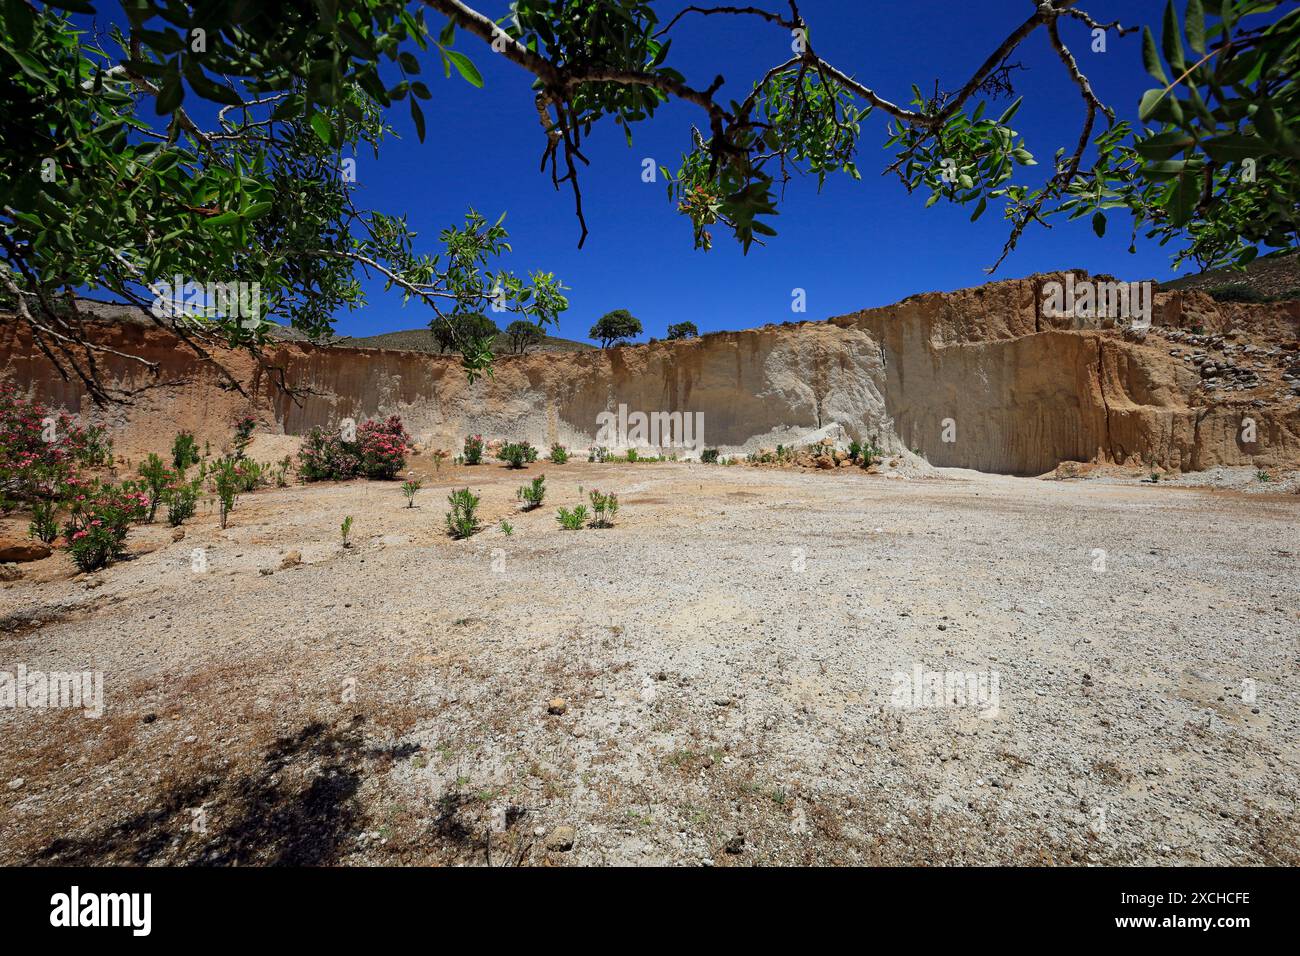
pixel 1017 392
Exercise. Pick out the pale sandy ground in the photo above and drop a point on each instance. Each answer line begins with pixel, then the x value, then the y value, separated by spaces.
pixel 727 653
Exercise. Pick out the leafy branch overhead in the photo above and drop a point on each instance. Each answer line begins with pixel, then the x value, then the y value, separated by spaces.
pixel 1235 100
pixel 220 142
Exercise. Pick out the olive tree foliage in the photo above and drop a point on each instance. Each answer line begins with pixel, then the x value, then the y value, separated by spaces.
pixel 219 143
pixel 615 326
pixel 1226 94
pixel 683 330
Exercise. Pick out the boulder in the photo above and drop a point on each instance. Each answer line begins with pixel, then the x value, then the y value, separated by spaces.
pixel 19 551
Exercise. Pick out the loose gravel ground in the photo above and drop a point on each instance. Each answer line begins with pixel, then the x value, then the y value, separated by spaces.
pixel 724 677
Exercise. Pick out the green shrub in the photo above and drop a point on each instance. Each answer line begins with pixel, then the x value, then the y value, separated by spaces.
pixel 346 530
pixel 185 451
pixel 709 456
pixel 572 520
pixel 507 528
pixel 281 473
pixel 517 454
pixel 243 434
pixel 250 474
pixel 45 521
pixel 605 507
pixel 227 482
pixel 1237 292
pixel 156 479
pixel 558 455
pixel 182 501
pixel 462 519
pixel 598 453
pixel 632 456
pixel 533 493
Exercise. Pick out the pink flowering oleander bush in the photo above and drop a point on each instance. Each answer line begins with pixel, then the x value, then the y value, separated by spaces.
pixel 473 449
pixel 99 517
pixel 40 450
pixel 379 452
pixel 324 456
pixel 382 447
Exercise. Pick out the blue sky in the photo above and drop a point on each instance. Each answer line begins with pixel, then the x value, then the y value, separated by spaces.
pixel 853 245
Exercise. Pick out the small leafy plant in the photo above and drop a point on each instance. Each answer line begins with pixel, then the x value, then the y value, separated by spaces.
pixel 507 528
pixel 185 451
pixel 558 454
pixel 709 456
pixel 227 480
pixel 598 453
pixel 409 488
pixel 281 472
pixel 182 500
pixel 243 434
pixel 462 519
pixel 572 520
pixel 156 479
pixel 45 521
pixel 473 449
pixel 346 530
pixel 517 454
pixel 532 494
pixel 605 507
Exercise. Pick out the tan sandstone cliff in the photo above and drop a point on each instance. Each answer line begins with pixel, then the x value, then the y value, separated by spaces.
pixel 1018 391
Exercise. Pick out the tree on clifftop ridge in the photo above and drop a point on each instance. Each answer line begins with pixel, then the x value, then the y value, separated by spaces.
pixel 614 327
pixel 524 334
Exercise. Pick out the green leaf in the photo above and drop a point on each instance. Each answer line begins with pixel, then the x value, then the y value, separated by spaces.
pixel 321 127
pixel 224 219
pixel 21 20
pixel 1235 146
pixel 1165 145
pixel 417 116
pixel 1185 195
pixel 1171 41
pixel 979 209
pixel 1153 102
pixel 465 68
pixel 170 96
pixel 1099 224
pixel 1151 59
pixel 1194 23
